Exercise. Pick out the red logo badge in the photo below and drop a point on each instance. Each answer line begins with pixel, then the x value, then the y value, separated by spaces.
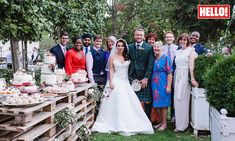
pixel 213 11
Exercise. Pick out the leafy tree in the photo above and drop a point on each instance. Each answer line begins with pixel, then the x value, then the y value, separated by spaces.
pixel 76 16
pixel 21 20
pixel 164 15
pixel 184 16
pixel 27 20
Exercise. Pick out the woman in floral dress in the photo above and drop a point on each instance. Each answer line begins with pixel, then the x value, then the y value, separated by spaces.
pixel 161 85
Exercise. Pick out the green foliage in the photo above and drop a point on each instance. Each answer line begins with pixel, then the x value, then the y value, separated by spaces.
pixel 65 117
pixel 166 135
pixel 76 17
pixel 7 74
pixel 29 19
pixel 96 93
pixel 164 15
pixel 202 64
pixel 22 19
pixel 183 15
pixel 220 85
pixel 84 134
pixel 141 13
pixel 38 77
pixel 46 42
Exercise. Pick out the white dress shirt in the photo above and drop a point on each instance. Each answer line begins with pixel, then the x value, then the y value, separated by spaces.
pixel 173 49
pixel 84 49
pixel 139 43
pixel 63 48
pixel 89 65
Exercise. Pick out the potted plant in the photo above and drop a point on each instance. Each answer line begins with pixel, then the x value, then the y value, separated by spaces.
pixel 219 82
pixel 199 103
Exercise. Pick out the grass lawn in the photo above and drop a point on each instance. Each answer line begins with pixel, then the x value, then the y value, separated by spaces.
pixel 167 135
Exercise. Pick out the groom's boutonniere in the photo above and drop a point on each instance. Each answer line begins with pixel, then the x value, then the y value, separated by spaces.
pixel 141 49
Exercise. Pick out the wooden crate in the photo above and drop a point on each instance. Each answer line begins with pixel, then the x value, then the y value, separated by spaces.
pixel 86 117
pixel 26 114
pixel 37 123
pixel 31 122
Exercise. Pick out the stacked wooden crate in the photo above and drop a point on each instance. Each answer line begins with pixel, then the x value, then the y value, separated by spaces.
pixel 37 122
pixel 85 109
pixel 28 123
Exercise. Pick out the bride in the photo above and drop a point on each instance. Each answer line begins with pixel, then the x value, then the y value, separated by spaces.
pixel 120 110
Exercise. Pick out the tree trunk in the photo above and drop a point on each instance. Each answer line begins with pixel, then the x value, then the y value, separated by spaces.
pixel 24 55
pixel 14 52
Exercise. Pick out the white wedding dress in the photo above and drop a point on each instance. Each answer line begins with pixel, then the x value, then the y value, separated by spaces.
pixel 120 110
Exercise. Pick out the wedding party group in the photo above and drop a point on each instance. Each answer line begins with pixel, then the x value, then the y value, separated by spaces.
pixel 142 79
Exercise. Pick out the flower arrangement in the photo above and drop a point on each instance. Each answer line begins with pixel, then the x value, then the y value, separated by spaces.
pixel 84 133
pixel 96 93
pixel 66 117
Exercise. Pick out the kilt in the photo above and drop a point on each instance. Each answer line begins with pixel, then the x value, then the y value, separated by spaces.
pixel 144 95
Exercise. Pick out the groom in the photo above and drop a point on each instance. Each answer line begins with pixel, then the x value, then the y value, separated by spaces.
pixel 142 60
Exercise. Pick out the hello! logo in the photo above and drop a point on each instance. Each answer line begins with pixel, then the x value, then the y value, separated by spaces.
pixel 213 11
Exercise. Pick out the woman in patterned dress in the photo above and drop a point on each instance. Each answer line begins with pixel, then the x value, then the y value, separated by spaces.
pixel 161 85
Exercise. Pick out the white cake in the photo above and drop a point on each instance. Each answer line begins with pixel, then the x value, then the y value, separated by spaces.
pixel 60 75
pixel 79 76
pixel 49 79
pixel 20 77
pixel 49 59
pixel 45 69
pixel 69 86
pixel 30 89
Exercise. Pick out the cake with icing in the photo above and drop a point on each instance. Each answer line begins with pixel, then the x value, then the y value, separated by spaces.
pixel 79 76
pixel 49 79
pixel 48 75
pixel 49 59
pixel 60 75
pixel 69 86
pixel 46 69
pixel 30 89
pixel 21 77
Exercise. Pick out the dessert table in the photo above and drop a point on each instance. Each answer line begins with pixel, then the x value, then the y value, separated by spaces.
pixel 37 122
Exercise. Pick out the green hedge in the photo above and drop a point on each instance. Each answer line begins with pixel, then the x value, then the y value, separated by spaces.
pixel 220 85
pixel 203 63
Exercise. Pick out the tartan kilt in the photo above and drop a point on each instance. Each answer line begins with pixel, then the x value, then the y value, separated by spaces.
pixel 144 95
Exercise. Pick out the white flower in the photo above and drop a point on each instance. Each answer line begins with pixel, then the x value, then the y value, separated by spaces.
pixel 90 91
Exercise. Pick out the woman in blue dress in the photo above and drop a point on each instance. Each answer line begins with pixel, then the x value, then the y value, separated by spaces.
pixel 161 85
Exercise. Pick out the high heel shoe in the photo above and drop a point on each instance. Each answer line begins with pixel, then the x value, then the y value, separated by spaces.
pixel 157 126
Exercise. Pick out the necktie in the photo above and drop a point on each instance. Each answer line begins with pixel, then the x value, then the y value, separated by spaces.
pixel 64 50
pixel 169 52
pixel 86 50
pixel 137 46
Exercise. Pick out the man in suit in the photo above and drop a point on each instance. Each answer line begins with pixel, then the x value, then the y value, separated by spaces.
pixel 60 50
pixel 142 60
pixel 86 43
pixel 194 39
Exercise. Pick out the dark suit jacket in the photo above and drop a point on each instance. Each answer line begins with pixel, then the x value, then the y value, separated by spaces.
pixel 141 62
pixel 60 58
pixel 200 49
